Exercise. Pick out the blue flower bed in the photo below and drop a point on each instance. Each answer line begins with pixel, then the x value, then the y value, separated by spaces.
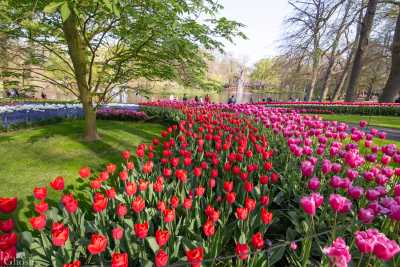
pixel 32 114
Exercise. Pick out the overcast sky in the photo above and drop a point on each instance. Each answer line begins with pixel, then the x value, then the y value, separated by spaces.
pixel 264 26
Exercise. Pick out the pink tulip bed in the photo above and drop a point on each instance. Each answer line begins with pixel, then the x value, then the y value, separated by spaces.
pixel 363 108
pixel 120 114
pixel 223 185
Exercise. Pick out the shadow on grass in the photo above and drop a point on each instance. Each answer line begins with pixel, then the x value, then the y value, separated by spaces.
pixel 115 135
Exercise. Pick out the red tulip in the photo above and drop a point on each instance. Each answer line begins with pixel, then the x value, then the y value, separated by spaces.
pixel 148 167
pixel 96 184
pixel 264 200
pixel 162 237
pixel 174 202
pixel 200 191
pixel 250 204
pixel 228 186
pixel 76 263
pixel 143 184
pixel 119 260
pixel 130 188
pixel 40 193
pixel 158 187
pixel 8 205
pixel 123 175
pixel 141 230
pixel 7 241
pixel 187 203
pixel 264 179
pixel 121 210
pixel 59 234
pixel 99 202
pixel 104 176
pixel 98 244
pixel 8 256
pixel 181 175
pixel 241 213
pixel 6 225
pixel 169 215
pixel 242 250
pixel 195 256
pixel 130 165
pixel 84 172
pixel 161 258
pixel 230 197
pixel 70 203
pixel 209 228
pixel 111 194
pixel 126 154
pixel 58 183
pixel 138 204
pixel 274 177
pixel 111 168
pixel 161 206
pixel 266 216
pixel 257 240
pixel 39 222
pixel 117 233
pixel 41 207
pixel 197 171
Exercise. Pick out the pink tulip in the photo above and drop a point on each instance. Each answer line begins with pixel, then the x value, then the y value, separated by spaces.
pixel 314 184
pixel 366 215
pixel 338 253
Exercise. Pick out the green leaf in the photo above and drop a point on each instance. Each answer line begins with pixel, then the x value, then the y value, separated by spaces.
pixel 52 7
pixel 116 9
pixel 290 234
pixel 152 243
pixel 65 12
pixel 26 239
pixel 108 4
pixel 276 255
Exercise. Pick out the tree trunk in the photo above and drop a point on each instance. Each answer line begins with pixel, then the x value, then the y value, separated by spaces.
pixel 78 53
pixel 315 66
pixel 392 87
pixel 362 46
pixel 339 87
pixel 370 90
pixel 333 55
pixel 3 61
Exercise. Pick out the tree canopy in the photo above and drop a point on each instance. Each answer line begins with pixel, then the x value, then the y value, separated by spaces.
pixel 102 44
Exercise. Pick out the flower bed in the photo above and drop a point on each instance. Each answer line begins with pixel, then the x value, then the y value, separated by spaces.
pixel 227 185
pixel 19 115
pixel 14 116
pixel 121 114
pixel 363 108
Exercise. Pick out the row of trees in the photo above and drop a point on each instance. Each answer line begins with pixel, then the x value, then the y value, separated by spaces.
pixel 93 47
pixel 338 49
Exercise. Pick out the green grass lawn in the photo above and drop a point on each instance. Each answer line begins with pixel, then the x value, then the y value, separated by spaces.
pixel 382 121
pixel 36 156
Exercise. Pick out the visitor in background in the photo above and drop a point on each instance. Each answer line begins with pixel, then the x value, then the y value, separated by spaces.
pixel 251 100
pixel 207 98
pixel 397 100
pixel 44 96
pixel 201 100
pixel 232 100
pixel 171 98
pixel 196 98
pixel 184 97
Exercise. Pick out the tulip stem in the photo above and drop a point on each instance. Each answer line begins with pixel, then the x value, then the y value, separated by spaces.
pixel 101 260
pixel 334 227
pixel 361 259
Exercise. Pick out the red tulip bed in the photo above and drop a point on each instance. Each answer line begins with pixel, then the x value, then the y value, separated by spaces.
pixel 225 185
